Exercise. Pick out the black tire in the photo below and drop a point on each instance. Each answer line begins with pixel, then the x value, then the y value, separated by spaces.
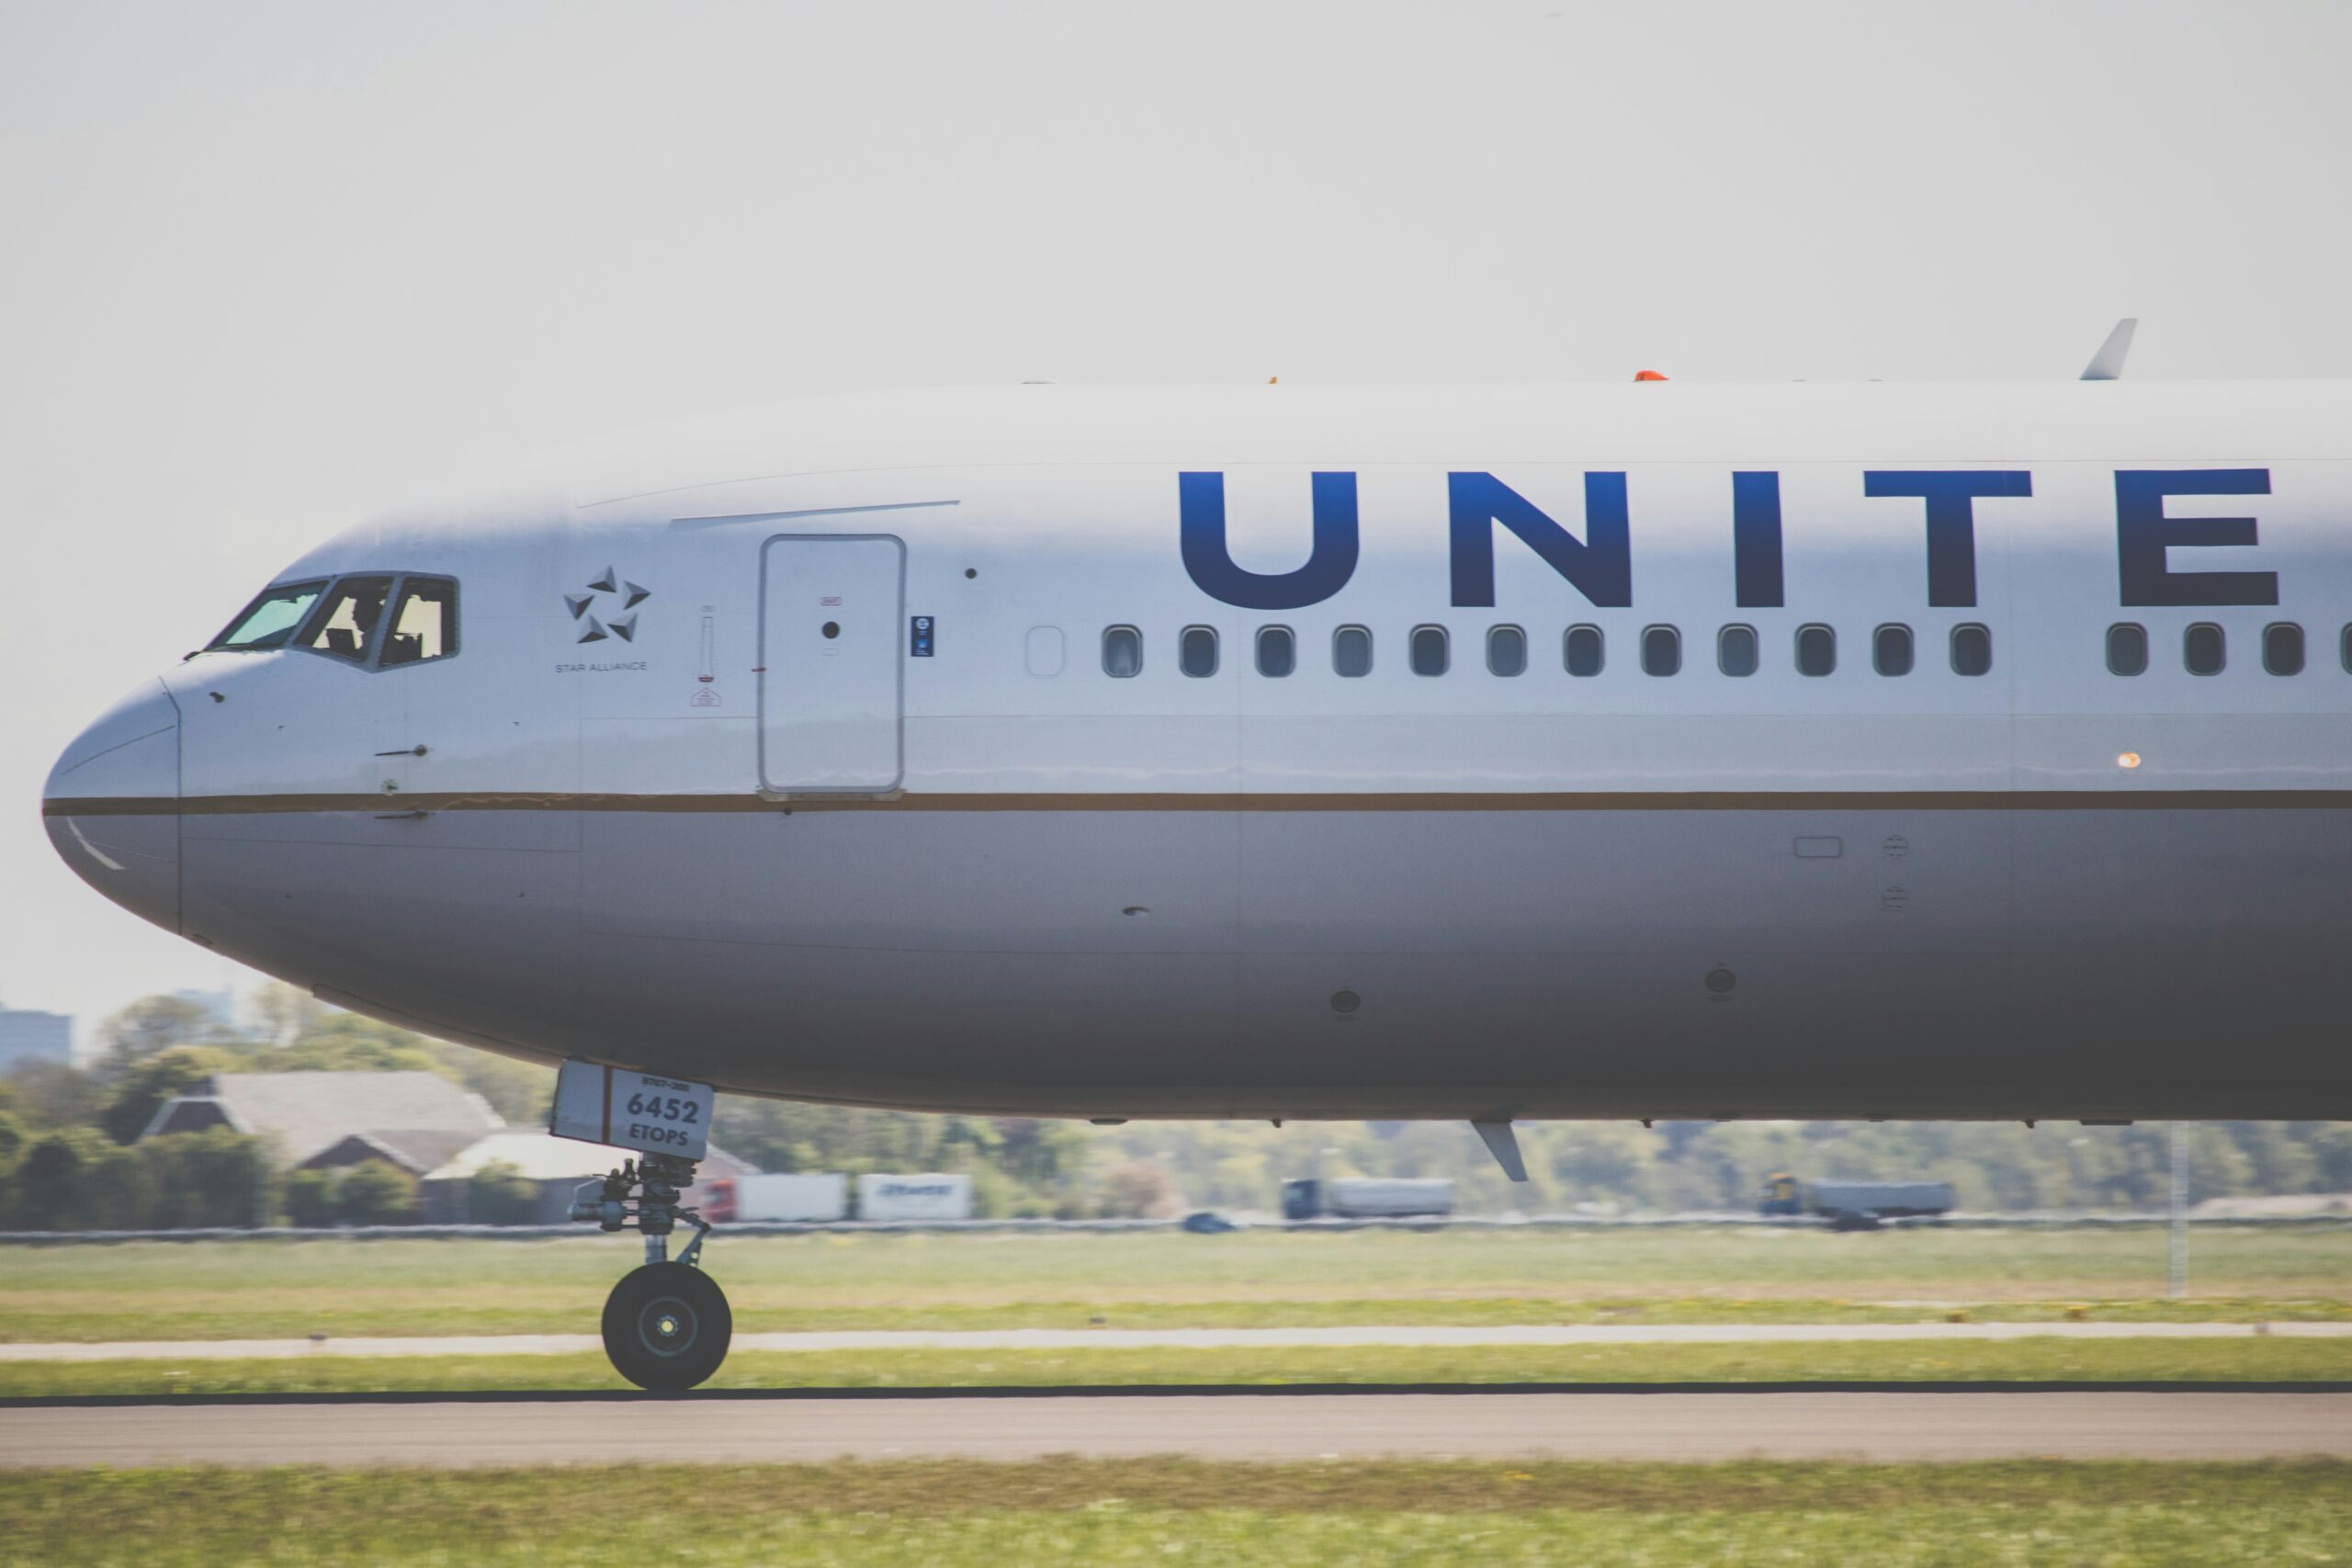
pixel 667 1325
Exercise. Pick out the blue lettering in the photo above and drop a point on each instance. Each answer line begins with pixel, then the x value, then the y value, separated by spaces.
pixel 1599 566
pixel 2143 534
pixel 1756 539
pixel 1329 563
pixel 1952 521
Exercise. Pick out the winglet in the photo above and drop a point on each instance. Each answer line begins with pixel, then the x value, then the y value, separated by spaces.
pixel 1503 1144
pixel 2107 364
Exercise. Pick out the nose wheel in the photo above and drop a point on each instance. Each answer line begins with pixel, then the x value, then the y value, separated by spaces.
pixel 667 1327
pixel 667 1323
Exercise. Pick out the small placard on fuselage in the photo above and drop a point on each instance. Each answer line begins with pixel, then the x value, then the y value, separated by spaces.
pixel 920 636
pixel 631 1110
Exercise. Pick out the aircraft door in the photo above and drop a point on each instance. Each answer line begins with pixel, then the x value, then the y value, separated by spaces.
pixel 830 682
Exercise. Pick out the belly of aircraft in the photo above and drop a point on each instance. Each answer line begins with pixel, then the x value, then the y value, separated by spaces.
pixel 1339 963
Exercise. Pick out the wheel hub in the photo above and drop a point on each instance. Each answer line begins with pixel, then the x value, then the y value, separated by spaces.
pixel 666 1327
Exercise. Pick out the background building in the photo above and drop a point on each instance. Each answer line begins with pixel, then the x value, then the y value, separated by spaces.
pixel 318 1121
pixel 29 1036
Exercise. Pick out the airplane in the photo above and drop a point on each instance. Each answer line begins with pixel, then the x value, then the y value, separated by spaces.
pixel 1636 750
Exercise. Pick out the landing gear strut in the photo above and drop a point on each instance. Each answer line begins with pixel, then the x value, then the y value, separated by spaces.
pixel 667 1323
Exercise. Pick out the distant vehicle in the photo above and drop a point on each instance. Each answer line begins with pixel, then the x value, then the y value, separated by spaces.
pixel 1855 1205
pixel 1367 1198
pixel 927 1197
pixel 1207 1221
pixel 816 1197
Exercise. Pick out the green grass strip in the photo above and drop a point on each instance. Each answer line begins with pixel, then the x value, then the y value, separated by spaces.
pixel 1256 1278
pixel 950 1514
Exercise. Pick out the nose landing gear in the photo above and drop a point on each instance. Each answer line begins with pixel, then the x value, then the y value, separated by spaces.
pixel 667 1323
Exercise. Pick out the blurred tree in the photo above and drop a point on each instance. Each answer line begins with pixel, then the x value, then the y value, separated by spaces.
pixel 347 1043
pixel 51 1094
pixel 146 1026
pixel 13 1140
pixel 1139 1189
pixel 2280 1153
pixel 308 1199
pixel 218 1177
pixel 145 1084
pixel 282 1013
pixel 2331 1147
pixel 77 1179
pixel 500 1194
pixel 1041 1154
pixel 523 1092
pixel 376 1193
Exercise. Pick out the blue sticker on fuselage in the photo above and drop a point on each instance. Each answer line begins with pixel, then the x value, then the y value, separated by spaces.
pixel 919 631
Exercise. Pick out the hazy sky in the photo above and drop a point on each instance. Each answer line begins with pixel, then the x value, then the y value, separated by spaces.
pixel 266 268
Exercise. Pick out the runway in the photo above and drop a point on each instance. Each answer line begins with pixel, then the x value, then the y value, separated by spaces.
pixel 1178 1338
pixel 1890 1425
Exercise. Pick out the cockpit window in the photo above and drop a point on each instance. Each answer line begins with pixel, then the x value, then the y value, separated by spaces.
pixel 426 627
pixel 270 620
pixel 345 625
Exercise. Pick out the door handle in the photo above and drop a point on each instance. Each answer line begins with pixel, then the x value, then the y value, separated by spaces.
pixel 404 752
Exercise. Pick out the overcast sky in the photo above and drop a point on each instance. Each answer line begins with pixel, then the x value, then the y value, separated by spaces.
pixel 266 268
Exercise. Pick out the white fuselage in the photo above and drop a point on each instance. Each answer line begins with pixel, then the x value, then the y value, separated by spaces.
pixel 941 856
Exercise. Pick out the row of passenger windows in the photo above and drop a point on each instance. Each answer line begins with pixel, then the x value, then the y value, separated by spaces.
pixel 2205 649
pixel 1583 650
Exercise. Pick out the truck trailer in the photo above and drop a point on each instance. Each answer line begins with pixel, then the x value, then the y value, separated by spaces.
pixel 814 1197
pixel 1367 1198
pixel 927 1197
pixel 1855 1205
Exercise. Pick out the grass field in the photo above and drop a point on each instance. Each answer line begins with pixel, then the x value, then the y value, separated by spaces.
pixel 2113 1360
pixel 1158 1511
pixel 265 1289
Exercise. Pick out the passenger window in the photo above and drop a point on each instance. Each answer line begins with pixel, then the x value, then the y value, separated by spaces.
pixel 1581 650
pixel 1196 652
pixel 1890 650
pixel 2203 650
pixel 1277 654
pixel 1121 652
pixel 1427 650
pixel 1352 651
pixel 426 626
pixel 2344 648
pixel 1506 650
pixel 1971 649
pixel 269 621
pixel 2282 647
pixel 345 625
pixel 1817 649
pixel 1661 650
pixel 2127 648
pixel 1735 651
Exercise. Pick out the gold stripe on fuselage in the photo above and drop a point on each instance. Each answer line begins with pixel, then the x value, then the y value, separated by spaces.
pixel 1380 801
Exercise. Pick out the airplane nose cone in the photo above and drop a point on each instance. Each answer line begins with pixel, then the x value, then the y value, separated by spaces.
pixel 112 805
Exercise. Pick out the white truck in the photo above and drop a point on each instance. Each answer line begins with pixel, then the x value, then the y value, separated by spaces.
pixel 1367 1198
pixel 925 1197
pixel 813 1197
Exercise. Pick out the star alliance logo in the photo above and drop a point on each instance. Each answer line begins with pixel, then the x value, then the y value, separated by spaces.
pixel 623 626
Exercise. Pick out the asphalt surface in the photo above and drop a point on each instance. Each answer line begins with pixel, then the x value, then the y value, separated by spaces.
pixel 1176 1339
pixel 1882 1425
